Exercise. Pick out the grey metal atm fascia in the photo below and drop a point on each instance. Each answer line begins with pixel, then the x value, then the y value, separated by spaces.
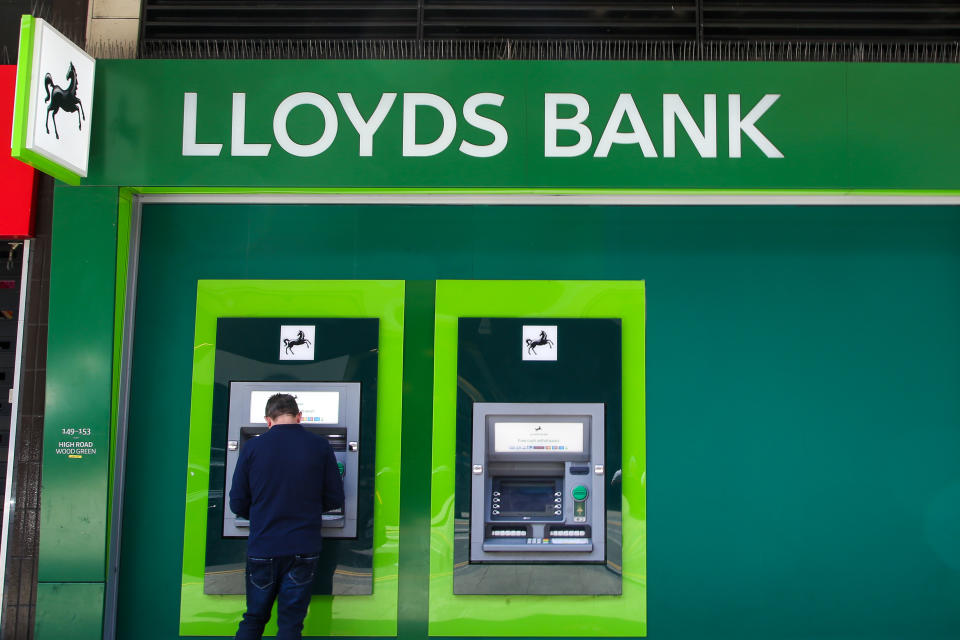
pixel 484 414
pixel 348 415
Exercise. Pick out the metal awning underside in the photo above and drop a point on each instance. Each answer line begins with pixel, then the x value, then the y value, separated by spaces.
pixel 694 27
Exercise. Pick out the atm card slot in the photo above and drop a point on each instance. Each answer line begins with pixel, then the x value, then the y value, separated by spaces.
pixel 336 436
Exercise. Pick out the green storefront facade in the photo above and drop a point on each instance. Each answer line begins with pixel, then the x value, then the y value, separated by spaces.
pixel 779 244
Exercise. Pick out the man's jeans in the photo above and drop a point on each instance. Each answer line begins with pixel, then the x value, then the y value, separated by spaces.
pixel 289 580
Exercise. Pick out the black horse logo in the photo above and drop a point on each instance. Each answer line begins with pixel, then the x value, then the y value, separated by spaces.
pixel 290 344
pixel 65 99
pixel 533 344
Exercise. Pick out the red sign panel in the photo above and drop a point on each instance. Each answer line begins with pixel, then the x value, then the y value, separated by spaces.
pixel 16 179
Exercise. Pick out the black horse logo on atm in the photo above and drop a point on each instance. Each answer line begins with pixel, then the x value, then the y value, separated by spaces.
pixel 533 344
pixel 65 99
pixel 299 340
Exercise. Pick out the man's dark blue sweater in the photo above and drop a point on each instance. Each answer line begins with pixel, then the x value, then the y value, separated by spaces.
pixel 283 482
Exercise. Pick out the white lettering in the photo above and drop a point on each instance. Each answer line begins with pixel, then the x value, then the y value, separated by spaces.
pixel 706 142
pixel 366 128
pixel 410 103
pixel 238 128
pixel 624 126
pixel 747 125
pixel 553 124
pixel 190 145
pixel 611 134
pixel 474 119
pixel 329 124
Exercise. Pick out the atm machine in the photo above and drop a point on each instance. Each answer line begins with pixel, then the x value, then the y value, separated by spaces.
pixel 538 483
pixel 538 449
pixel 330 410
pixel 330 365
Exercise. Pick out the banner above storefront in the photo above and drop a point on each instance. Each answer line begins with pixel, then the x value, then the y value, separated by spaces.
pixel 550 125
pixel 55 78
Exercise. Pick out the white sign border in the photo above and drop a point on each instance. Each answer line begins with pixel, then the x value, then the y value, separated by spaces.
pixel 39 27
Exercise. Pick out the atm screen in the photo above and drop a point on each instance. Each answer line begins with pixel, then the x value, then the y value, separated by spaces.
pixel 527 497
pixel 538 437
pixel 317 407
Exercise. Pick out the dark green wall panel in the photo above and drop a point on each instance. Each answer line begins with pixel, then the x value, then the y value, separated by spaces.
pixel 73 517
pixel 71 610
pixel 415 479
pixel 802 414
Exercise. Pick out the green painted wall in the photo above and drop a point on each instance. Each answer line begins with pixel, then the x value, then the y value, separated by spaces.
pixel 73 516
pixel 414 562
pixel 69 609
pixel 802 362
pixel 802 367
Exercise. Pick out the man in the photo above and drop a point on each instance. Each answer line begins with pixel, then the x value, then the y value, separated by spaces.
pixel 283 481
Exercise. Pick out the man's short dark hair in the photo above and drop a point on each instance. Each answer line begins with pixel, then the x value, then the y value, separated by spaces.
pixel 281 404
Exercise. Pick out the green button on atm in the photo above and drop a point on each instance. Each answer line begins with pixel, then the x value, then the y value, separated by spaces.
pixel 340 468
pixel 580 494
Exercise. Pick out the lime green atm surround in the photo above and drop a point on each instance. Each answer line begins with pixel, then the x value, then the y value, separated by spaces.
pixel 753 281
pixel 624 614
pixel 365 615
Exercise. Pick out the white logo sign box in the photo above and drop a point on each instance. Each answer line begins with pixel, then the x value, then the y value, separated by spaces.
pixel 296 341
pixel 539 342
pixel 56 92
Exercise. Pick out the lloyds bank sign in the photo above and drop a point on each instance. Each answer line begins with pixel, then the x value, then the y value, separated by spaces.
pixel 563 113
pixel 525 125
